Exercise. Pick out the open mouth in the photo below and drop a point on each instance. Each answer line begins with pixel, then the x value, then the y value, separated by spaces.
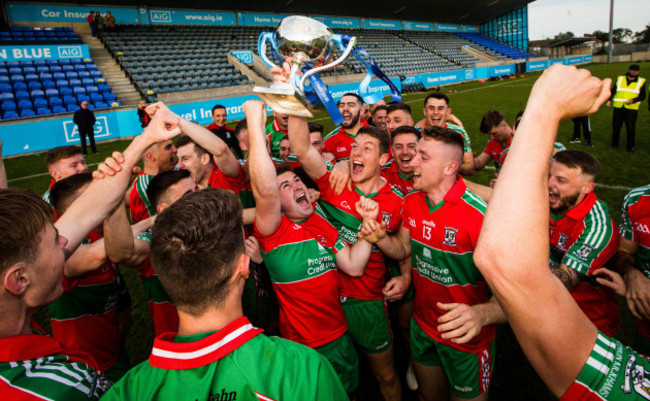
pixel 302 200
pixel 357 167
pixel 553 198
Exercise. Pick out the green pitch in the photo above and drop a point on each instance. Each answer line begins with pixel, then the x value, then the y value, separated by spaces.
pixel 620 172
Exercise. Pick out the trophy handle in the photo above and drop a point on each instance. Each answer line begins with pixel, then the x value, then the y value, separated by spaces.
pixel 346 53
pixel 261 48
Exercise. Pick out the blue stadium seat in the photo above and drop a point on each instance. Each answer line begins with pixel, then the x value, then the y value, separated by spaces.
pixel 52 62
pixel 55 101
pixel 75 82
pixel 41 111
pixel 76 61
pixel 17 78
pixel 49 84
pixel 95 74
pixel 12 64
pixel 96 98
pixel 101 105
pixel 56 68
pixel 91 106
pixel 68 68
pixel 4 87
pixel 81 98
pixel 46 76
pixel 15 70
pixel 4 79
pixel 20 86
pixel 51 93
pixel 40 102
pixel 8 105
pixel 25 104
pixel 10 114
pixel 22 95
pixel 79 90
pixel 4 71
pixel 62 83
pixel 29 70
pixel 43 69
pixel 109 97
pixel 80 67
pixel 72 107
pixel 65 91
pixel 27 113
pixel 34 85
pixel 64 62
pixel 6 96
pixel 39 63
pixel 69 99
pixel 59 109
pixel 92 89
pixel 31 77
pixel 91 67
pixel 83 74
pixel 87 82
pixel 59 76
pixel 71 75
pixel 37 93
pixel 103 88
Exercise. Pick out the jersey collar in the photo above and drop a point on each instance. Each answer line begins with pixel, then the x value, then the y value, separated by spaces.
pixel 276 127
pixel 33 346
pixel 167 354
pixel 580 211
pixel 453 195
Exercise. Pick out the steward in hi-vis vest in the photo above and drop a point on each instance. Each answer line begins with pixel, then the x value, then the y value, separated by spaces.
pixel 628 91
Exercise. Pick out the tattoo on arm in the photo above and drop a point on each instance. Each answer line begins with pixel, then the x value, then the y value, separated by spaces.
pixel 568 277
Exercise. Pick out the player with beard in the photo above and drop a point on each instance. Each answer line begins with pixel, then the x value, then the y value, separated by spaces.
pixel 452 332
pixel 339 141
pixel 438 113
pixel 302 251
pixel 495 125
pixel 276 131
pixel 583 236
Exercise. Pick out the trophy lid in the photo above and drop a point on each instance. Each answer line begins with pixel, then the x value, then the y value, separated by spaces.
pixel 302 38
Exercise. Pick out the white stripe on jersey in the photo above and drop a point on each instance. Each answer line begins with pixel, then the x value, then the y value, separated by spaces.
pixel 204 351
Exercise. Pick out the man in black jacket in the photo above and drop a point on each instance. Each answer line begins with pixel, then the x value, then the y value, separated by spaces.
pixel 85 119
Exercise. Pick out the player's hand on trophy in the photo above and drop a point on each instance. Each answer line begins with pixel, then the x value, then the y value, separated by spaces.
pixel 367 208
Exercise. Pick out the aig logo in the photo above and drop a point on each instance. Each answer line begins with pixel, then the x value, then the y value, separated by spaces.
pixel 160 16
pixel 469 74
pixel 72 132
pixel 69 51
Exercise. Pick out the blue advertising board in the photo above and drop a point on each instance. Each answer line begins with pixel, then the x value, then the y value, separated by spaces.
pixel 417 26
pixel 376 86
pixel 67 13
pixel 44 52
pixel 144 17
pixel 187 17
pixel 537 65
pixel 338 22
pixel 367 23
pixel 245 56
pixel 447 27
pixel 257 19
pixel 469 28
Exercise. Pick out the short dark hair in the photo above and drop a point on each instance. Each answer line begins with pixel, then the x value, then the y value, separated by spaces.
pixel 578 159
pixel 405 129
pixel 62 191
pixel 380 135
pixel 490 120
pixel 242 125
pixel 185 140
pixel 62 152
pixel 379 108
pixel 359 98
pixel 282 168
pixel 314 127
pixel 217 107
pixel 24 215
pixel 399 106
pixel 161 183
pixel 436 95
pixel 444 135
pixel 195 245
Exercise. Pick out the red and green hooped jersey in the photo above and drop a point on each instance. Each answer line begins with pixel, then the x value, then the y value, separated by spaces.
pixel 234 363
pixel 85 317
pixel 275 134
pixel 443 238
pixel 37 367
pixel 612 372
pixel 584 239
pixel 339 142
pixel 494 149
pixel 161 308
pixel 635 226
pixel 300 258
pixel 341 212
pixel 396 179
pixel 139 204
pixel 236 184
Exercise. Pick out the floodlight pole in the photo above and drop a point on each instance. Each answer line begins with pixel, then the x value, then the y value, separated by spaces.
pixel 611 27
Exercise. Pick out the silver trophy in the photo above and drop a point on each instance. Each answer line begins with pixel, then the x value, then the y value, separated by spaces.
pixel 302 40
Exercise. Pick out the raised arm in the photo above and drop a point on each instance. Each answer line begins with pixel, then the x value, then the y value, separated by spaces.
pixel 352 260
pixel 223 157
pixel 102 196
pixel 531 296
pixel 264 181
pixel 310 159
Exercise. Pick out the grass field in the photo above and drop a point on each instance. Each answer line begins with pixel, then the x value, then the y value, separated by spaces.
pixel 620 171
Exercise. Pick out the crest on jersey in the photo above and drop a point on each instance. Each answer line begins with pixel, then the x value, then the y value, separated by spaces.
pixel 450 236
pixel 584 251
pixel 561 242
pixel 636 378
pixel 385 217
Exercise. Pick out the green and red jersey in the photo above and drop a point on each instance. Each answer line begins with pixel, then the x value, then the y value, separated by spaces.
pixel 139 203
pixel 612 372
pixel 237 184
pixel 275 134
pixel 234 363
pixel 161 308
pixel 635 226
pixel 340 210
pixel 494 150
pixel 443 239
pixel 585 239
pixel 85 317
pixel 397 180
pixel 301 259
pixel 37 367
pixel 339 142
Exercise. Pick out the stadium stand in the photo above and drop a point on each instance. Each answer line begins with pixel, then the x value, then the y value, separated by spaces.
pixel 492 44
pixel 43 87
pixel 443 44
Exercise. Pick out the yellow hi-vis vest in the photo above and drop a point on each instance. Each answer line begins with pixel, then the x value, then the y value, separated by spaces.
pixel 625 92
